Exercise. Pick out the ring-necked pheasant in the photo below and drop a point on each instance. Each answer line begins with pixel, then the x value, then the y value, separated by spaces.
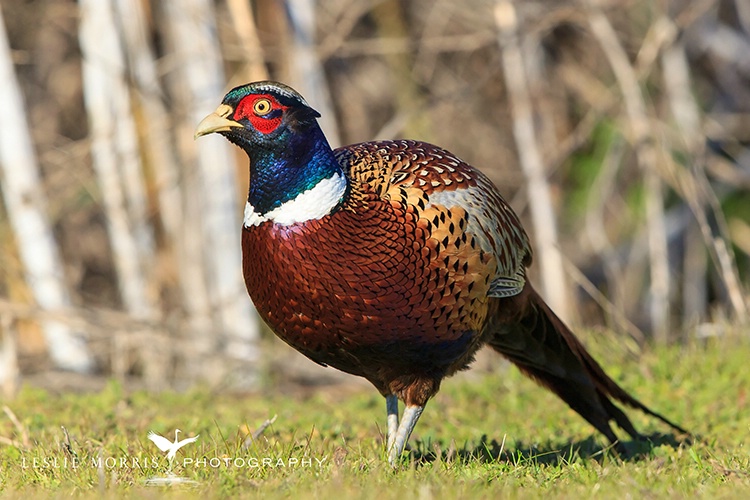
pixel 394 261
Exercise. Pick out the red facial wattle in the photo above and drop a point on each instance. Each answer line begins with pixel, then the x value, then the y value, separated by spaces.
pixel 265 123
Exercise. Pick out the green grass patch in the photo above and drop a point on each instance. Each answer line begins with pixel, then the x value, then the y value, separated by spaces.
pixel 483 436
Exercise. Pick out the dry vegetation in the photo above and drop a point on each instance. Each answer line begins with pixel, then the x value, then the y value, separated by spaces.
pixel 630 118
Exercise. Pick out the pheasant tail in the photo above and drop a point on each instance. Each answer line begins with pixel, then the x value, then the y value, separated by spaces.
pixel 545 349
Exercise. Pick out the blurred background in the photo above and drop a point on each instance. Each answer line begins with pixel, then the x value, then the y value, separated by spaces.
pixel 618 130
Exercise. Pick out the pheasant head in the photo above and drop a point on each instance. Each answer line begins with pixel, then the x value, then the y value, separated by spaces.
pixel 294 176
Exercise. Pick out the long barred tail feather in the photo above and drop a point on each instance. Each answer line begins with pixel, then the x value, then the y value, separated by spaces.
pixel 540 344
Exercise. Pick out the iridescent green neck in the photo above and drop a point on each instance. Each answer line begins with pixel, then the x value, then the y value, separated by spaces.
pixel 300 181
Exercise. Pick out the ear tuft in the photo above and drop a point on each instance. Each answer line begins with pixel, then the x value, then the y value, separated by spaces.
pixel 301 117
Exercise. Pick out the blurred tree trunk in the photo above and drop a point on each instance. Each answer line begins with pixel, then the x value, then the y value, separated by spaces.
pixel 392 24
pixel 243 20
pixel 212 210
pixel 543 218
pixel 154 125
pixel 26 206
pixel 308 76
pixel 156 135
pixel 115 154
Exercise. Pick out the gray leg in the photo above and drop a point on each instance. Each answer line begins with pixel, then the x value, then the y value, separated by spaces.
pixel 409 420
pixel 391 408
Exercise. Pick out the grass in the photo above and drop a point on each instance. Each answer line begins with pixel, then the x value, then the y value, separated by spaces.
pixel 484 435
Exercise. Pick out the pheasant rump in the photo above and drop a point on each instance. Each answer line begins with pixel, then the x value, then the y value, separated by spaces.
pixel 394 261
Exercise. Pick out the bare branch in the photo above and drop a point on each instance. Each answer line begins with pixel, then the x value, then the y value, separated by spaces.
pixel 642 138
pixel 20 428
pixel 257 432
pixel 694 184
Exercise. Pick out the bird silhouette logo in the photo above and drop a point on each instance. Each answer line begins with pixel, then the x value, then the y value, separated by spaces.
pixel 170 447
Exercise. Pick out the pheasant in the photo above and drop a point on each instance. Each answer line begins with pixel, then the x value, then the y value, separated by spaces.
pixel 395 261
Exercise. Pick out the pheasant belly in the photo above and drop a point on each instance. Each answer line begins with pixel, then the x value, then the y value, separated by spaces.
pixel 363 292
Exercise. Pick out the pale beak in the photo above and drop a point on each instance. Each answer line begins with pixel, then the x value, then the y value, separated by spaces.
pixel 217 122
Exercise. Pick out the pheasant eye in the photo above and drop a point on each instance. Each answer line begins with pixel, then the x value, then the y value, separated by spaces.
pixel 262 107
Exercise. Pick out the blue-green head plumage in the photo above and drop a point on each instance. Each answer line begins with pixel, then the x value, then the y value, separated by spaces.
pixel 278 129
